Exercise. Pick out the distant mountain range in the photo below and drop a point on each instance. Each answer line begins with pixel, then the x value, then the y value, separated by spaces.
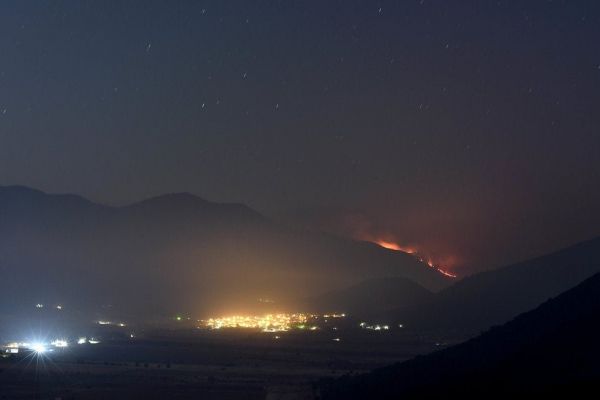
pixel 173 252
pixel 549 351
pixel 494 297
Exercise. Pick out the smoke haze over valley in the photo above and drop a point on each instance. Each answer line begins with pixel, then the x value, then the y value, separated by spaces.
pixel 299 200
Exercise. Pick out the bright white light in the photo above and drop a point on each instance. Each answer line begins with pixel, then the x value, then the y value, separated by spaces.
pixel 39 305
pixel 82 340
pixel 60 343
pixel 38 347
pixel 93 341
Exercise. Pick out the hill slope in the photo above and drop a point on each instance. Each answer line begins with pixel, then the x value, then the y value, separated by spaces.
pixel 548 350
pixel 372 296
pixel 494 297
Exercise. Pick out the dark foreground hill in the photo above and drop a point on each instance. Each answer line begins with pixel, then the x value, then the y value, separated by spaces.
pixel 494 297
pixel 551 350
pixel 173 253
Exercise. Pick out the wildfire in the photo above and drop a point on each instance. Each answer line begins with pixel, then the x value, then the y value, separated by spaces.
pixel 430 264
pixel 448 274
pixel 394 246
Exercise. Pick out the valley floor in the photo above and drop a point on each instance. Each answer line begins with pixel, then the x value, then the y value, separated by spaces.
pixel 224 365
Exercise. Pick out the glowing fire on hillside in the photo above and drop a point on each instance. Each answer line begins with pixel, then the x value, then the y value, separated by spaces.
pixel 396 247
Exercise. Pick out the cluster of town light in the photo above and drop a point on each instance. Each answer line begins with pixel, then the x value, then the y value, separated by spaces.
pixel 266 323
pixel 59 307
pixel 121 324
pixel 374 327
pixel 40 347
pixel 269 322
pixel 36 347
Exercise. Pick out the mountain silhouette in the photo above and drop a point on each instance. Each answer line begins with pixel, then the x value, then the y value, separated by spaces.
pixel 551 350
pixel 175 252
pixel 493 297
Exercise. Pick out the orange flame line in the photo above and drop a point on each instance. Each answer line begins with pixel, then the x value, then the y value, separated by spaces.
pixel 395 247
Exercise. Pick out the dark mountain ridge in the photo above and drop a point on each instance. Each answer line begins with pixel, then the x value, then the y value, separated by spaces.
pixel 488 298
pixel 552 349
pixel 173 252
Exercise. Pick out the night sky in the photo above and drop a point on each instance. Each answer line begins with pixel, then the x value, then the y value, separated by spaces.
pixel 467 129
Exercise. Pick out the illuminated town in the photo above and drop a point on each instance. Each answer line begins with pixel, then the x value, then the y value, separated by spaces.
pixel 374 327
pixel 40 347
pixel 270 322
pixel 279 322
